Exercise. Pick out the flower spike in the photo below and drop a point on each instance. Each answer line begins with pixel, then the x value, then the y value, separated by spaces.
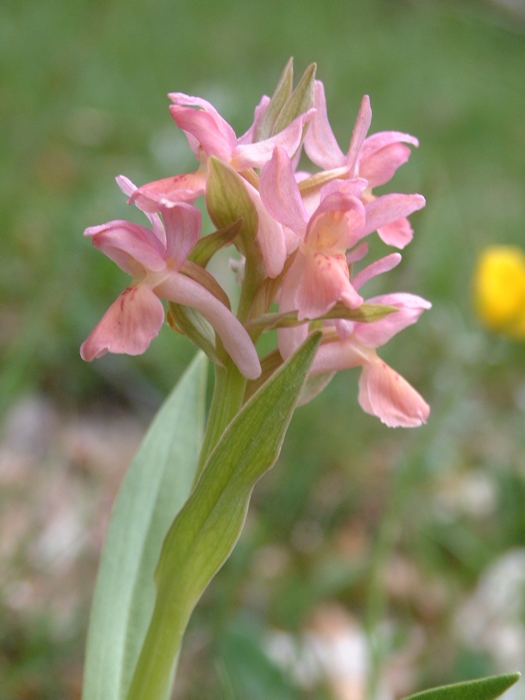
pixel 299 236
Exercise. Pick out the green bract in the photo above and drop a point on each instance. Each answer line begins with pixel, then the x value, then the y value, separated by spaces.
pixel 281 93
pixel 207 246
pixel 227 201
pixel 300 101
pixel 366 313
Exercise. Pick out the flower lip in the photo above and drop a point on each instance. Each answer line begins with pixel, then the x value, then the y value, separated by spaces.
pixel 385 394
pixel 128 326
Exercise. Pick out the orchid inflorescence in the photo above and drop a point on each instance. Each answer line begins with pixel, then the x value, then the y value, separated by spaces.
pixel 298 234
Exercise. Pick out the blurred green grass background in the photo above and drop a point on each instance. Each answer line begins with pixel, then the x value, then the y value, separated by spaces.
pixel 82 99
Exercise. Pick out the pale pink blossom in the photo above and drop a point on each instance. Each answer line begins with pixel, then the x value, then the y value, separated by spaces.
pixel 382 392
pixel 318 276
pixel 208 135
pixel 375 159
pixel 386 394
pixel 154 257
pixel 310 231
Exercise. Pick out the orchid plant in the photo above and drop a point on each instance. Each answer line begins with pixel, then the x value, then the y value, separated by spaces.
pixel 297 235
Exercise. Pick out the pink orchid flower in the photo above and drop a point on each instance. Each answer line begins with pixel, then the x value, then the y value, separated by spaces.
pixel 375 158
pixel 382 392
pixel 208 135
pixel 154 257
pixel 319 275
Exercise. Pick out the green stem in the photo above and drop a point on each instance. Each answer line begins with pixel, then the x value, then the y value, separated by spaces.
pixel 228 394
pixel 230 385
pixel 159 652
pixel 253 277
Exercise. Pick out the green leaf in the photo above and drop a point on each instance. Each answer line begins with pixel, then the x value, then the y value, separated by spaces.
pixel 300 101
pixel 153 491
pixel 280 96
pixel 207 528
pixel 366 313
pixel 228 201
pixel 207 246
pixel 480 689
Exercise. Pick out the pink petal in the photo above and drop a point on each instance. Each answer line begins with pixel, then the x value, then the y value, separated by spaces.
pixel 128 188
pixel 376 268
pixel 183 290
pixel 401 299
pixel 221 128
pixel 291 240
pixel 384 138
pixel 399 233
pixel 125 242
pixel 125 185
pixel 183 225
pixel 180 99
pixel 381 165
pixel 280 193
pixel 379 332
pixel 362 124
pixel 128 326
pixel 389 208
pixel 311 200
pixel 337 355
pixel 255 155
pixel 357 254
pixel 170 190
pixel 336 224
pixel 353 187
pixel 343 327
pixel 289 339
pixel 336 199
pixel 210 135
pixel 385 394
pixel 324 282
pixel 320 143
pixel 270 236
pixel 301 175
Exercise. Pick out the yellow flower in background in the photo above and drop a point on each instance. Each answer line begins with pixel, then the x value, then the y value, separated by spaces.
pixel 499 290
